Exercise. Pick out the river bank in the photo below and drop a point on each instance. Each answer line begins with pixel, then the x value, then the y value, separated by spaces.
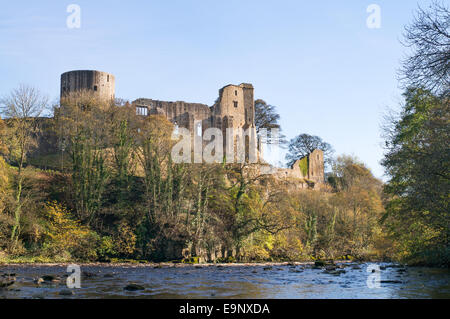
pixel 168 264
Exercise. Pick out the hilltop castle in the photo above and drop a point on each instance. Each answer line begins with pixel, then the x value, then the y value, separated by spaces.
pixel 234 108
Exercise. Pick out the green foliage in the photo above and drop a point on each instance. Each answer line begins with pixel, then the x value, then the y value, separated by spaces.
pixel 89 176
pixel 304 165
pixel 106 248
pixel 417 162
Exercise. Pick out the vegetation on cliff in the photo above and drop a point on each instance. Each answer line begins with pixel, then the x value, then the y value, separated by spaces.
pixel 116 194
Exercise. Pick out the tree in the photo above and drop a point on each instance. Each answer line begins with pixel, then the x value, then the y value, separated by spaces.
pixel 417 161
pixel 429 38
pixel 82 123
pixel 21 107
pixel 4 178
pixel 246 209
pixel 162 232
pixel 304 144
pixel 3 148
pixel 122 138
pixel 348 172
pixel 266 117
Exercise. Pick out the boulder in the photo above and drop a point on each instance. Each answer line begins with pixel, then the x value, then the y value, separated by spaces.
pixel 133 287
pixel 6 282
pixel 50 278
pixel 391 281
pixel 66 292
pixel 86 274
pixel 319 263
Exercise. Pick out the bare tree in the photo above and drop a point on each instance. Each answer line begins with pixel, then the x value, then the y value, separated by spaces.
pixel 429 38
pixel 21 109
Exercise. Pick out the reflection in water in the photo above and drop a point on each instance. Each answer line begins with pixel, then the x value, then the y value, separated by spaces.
pixel 230 282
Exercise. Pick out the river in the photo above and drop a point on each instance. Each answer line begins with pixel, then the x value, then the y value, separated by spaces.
pixel 348 281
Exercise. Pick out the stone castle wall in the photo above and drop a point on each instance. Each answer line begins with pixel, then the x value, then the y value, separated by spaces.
pixel 101 83
pixel 179 113
pixel 234 108
pixel 314 173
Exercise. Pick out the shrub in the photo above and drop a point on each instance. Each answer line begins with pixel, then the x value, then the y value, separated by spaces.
pixel 66 237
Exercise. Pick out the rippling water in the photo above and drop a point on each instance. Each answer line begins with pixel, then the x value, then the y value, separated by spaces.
pixel 230 281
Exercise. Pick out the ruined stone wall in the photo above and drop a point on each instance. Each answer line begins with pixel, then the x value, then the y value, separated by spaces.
pixel 100 83
pixel 180 113
pixel 235 108
pixel 316 166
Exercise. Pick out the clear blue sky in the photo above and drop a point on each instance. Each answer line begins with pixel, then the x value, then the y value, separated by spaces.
pixel 317 61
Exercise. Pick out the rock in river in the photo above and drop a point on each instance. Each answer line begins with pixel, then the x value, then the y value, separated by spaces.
pixel 66 292
pixel 6 283
pixel 390 281
pixel 50 278
pixel 133 287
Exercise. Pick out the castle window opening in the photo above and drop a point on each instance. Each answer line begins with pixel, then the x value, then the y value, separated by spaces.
pixel 107 78
pixel 199 129
pixel 235 103
pixel 235 92
pixel 141 111
pixel 95 87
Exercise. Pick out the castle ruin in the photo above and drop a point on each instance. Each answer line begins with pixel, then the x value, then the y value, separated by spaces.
pixel 234 108
pixel 101 83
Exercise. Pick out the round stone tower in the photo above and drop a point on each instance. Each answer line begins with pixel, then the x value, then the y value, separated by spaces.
pixel 101 83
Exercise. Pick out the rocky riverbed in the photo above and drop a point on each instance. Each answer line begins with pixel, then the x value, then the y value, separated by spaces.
pixel 268 280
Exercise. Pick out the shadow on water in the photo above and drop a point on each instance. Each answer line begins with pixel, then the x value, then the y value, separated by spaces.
pixel 229 282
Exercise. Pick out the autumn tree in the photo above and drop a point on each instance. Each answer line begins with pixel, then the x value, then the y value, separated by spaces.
pixel 21 108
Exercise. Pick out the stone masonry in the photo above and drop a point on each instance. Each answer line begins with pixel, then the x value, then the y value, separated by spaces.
pixel 234 108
